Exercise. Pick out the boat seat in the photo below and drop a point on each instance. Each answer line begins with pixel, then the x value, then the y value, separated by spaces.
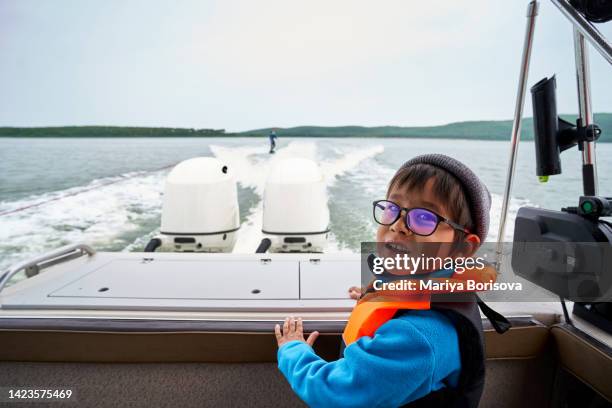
pixel 584 358
pixel 529 366
pixel 520 366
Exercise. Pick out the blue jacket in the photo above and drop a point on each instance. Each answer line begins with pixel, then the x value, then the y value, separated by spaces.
pixel 411 355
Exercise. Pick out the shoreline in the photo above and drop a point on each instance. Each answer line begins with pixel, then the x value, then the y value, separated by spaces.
pixel 498 130
pixel 239 136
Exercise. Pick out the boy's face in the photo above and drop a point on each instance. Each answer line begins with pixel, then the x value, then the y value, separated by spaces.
pixel 398 235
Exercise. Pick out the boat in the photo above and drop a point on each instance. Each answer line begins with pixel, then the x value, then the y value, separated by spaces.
pixel 189 323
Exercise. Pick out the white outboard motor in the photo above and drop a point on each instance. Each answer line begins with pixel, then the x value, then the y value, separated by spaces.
pixel 200 208
pixel 295 212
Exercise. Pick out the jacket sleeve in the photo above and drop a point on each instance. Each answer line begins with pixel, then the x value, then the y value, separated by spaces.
pixel 393 367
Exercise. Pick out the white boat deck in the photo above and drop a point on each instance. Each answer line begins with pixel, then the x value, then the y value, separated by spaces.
pixel 191 282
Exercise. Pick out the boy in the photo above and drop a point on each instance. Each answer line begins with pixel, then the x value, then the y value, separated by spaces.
pixel 430 357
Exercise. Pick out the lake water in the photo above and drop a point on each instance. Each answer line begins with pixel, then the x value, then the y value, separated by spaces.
pixel 107 192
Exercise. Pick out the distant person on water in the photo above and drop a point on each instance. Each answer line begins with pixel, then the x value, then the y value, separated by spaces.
pixel 403 350
pixel 272 137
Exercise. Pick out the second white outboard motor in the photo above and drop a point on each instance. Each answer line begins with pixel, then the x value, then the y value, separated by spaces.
pixel 295 212
pixel 200 208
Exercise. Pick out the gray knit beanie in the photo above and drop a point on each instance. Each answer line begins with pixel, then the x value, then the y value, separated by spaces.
pixel 477 194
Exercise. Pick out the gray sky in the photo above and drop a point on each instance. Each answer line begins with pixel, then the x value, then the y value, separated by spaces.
pixel 244 64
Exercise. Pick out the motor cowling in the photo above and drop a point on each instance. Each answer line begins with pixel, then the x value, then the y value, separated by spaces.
pixel 200 210
pixel 295 209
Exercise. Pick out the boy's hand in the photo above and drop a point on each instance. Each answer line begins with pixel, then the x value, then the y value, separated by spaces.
pixel 354 292
pixel 293 329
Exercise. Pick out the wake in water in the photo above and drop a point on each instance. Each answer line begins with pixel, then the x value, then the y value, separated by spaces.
pixel 103 213
pixel 122 213
pixel 252 170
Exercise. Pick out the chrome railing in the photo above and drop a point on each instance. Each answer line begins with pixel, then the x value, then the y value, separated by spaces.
pixel 50 258
pixel 532 13
pixel 586 28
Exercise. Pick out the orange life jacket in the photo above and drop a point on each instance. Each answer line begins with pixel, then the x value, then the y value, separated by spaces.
pixel 375 309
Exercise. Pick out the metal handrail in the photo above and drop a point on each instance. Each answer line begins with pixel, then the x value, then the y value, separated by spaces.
pixel 59 253
pixel 586 28
pixel 583 81
pixel 532 13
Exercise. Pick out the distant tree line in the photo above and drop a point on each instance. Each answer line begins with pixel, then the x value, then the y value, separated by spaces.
pixel 478 130
pixel 107 131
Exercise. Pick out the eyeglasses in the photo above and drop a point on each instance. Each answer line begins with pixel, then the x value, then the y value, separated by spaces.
pixel 421 221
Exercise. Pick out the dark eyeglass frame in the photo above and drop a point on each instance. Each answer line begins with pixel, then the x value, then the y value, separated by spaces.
pixel 439 218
